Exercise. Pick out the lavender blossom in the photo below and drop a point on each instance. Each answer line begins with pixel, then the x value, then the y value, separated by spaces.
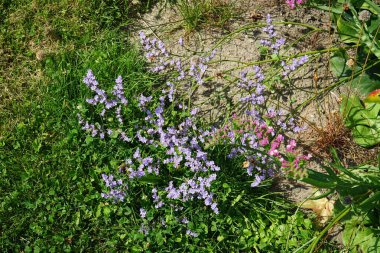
pixel 191 233
pixel 142 213
pixel 296 63
pixel 116 188
pixel 144 229
pixel 273 43
pixel 118 91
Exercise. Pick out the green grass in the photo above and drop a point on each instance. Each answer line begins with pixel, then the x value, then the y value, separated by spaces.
pixel 49 176
pixel 203 14
pixel 50 179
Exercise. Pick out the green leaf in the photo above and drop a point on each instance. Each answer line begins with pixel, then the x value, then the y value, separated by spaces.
pixel 237 199
pixel 368 39
pixel 374 25
pixel 89 140
pixel 149 179
pixel 159 239
pixel 323 195
pixel 338 64
pixel 365 81
pixel 371 202
pixel 318 179
pixel 220 238
pixel 358 238
pixel 77 218
pixel 371 6
pixel 336 10
pixel 364 122
pixel 106 211
pixel 347 28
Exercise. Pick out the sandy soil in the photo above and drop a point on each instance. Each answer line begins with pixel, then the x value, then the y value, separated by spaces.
pixel 242 48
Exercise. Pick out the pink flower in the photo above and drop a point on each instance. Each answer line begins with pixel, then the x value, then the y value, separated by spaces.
pixel 292 3
pixel 264 141
pixel 290 147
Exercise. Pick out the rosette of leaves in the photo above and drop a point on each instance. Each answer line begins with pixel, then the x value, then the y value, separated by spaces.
pixel 356 28
pixel 357 74
pixel 358 203
pixel 357 23
pixel 353 27
pixel 362 119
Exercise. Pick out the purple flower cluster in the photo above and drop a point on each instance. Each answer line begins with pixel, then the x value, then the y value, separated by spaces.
pixel 191 233
pixel 251 139
pixel 197 71
pixel 180 146
pixel 156 199
pixel 260 146
pixel 272 42
pixel 116 188
pixel 282 121
pixel 257 135
pixel 144 229
pixel 107 104
pixel 94 129
pixel 194 189
pixel 142 213
pixel 275 44
pixel 139 166
pixel 155 50
pixel 170 154
pixel 161 60
pixel 101 96
pixel 255 89
pixel 182 143
pixel 296 63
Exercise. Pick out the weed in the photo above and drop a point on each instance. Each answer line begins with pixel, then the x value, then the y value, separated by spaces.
pixel 209 13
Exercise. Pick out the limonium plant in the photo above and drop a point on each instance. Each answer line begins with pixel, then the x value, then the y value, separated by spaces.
pixel 169 164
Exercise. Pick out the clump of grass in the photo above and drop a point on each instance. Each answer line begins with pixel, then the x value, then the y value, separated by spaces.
pixel 209 13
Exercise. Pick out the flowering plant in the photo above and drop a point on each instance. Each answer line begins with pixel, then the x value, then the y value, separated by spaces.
pixel 169 167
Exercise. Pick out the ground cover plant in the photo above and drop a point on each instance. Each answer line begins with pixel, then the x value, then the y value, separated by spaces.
pixel 116 158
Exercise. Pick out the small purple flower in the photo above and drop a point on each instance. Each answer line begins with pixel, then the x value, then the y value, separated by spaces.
pixel 116 188
pixel 273 43
pixel 296 63
pixel 144 229
pixel 191 233
pixel 142 213
pixel 143 100
pixel 184 220
pixel 124 137
pixel 214 207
